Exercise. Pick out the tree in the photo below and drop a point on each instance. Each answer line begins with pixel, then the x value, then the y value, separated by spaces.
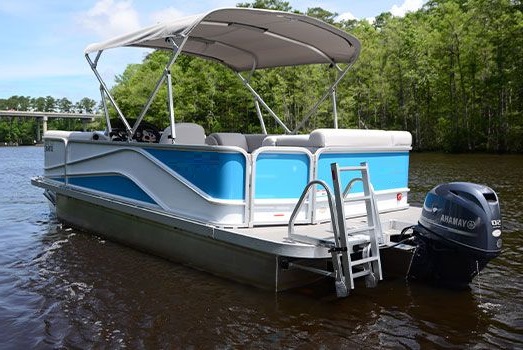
pixel 65 105
pixel 50 104
pixel 322 14
pixel 85 105
pixel 268 4
pixel 38 104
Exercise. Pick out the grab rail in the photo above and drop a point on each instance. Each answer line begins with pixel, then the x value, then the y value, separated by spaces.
pixel 332 207
pixel 349 186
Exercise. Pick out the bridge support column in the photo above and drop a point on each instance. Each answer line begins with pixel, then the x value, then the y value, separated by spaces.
pixel 44 124
pixel 38 130
pixel 38 135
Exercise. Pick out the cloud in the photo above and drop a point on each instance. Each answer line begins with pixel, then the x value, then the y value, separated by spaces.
pixel 346 16
pixel 108 18
pixel 407 6
pixel 166 15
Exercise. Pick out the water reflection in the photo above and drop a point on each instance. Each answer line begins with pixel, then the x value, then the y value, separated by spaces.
pixel 97 292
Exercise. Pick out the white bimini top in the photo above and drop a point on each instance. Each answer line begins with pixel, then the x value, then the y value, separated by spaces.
pixel 245 39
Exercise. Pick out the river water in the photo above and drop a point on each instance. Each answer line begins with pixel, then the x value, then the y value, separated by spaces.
pixel 63 289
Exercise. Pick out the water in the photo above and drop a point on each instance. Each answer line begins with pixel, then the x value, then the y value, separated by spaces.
pixel 64 289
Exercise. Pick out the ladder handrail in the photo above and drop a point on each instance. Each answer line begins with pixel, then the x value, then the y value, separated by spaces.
pixel 298 206
pixel 349 186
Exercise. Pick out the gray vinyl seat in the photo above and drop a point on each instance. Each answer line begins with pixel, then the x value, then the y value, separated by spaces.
pixel 227 139
pixel 186 134
pixel 248 142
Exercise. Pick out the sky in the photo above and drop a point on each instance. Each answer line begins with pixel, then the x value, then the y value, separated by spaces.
pixel 42 42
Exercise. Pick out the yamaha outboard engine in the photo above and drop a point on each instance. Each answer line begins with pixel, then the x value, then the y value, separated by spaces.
pixel 458 232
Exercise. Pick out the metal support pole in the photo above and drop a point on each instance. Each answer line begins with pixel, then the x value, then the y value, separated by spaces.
pixel 171 105
pixel 104 87
pixel 334 108
pixel 260 116
pixel 38 135
pixel 260 100
pixel 325 95
pixel 106 112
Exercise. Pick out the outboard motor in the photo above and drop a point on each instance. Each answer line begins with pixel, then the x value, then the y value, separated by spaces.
pixel 458 233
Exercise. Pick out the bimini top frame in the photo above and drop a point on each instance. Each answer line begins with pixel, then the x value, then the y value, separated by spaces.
pixel 244 40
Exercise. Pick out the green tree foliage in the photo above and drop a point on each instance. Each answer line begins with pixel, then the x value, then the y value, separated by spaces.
pixel 447 73
pixel 21 130
pixel 324 15
pixel 450 73
pixel 268 4
pixel 85 105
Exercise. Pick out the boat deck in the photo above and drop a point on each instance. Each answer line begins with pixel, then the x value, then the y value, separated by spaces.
pixel 392 224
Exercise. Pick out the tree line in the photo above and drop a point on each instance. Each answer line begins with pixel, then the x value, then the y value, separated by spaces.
pixel 451 73
pixel 16 130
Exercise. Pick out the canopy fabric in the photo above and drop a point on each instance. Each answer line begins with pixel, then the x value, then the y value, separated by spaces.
pixel 244 39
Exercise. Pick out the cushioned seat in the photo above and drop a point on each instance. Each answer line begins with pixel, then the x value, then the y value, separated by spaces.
pixel 361 138
pixel 287 140
pixel 350 138
pixel 227 139
pixel 254 141
pixel 186 134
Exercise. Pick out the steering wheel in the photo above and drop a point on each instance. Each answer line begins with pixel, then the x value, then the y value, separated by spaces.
pixel 118 134
pixel 146 132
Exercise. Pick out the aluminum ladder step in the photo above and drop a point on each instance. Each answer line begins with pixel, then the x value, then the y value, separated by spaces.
pixel 361 229
pixel 342 260
pixel 364 260
pixel 356 199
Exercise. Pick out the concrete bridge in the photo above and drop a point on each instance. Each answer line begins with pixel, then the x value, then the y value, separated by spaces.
pixel 44 116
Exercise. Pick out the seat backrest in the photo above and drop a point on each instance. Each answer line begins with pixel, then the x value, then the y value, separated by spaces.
pixel 359 138
pixel 350 138
pixel 227 139
pixel 254 141
pixel 287 140
pixel 186 134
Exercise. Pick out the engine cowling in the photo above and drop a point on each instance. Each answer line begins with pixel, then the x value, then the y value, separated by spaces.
pixel 466 215
pixel 458 233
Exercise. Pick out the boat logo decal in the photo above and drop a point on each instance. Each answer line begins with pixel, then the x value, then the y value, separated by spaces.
pixel 458 222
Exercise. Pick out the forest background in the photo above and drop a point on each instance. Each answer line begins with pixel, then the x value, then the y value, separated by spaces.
pixel 451 73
